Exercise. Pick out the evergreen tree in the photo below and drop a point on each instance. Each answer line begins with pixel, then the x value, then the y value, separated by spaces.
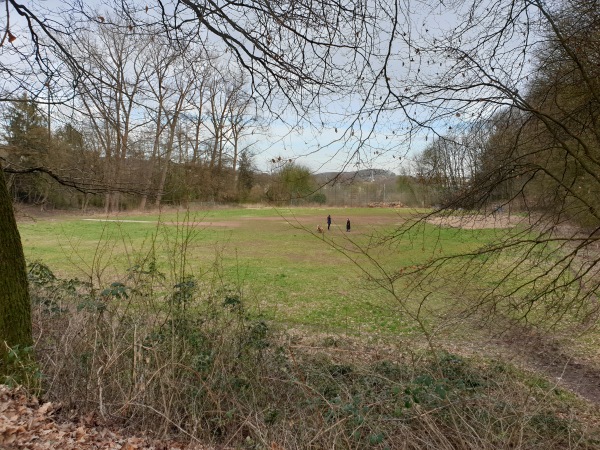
pixel 245 179
pixel 26 131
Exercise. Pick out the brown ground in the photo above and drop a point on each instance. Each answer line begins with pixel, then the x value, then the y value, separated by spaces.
pixel 548 356
pixel 477 221
pixel 544 353
pixel 26 423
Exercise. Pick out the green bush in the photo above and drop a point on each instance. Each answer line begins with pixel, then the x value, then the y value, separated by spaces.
pixel 319 198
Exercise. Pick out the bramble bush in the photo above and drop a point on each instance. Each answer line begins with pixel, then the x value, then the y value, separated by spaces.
pixel 190 358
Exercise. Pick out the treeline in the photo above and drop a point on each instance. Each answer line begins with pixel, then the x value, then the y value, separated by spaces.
pixel 540 153
pixel 180 147
pixel 151 121
pixel 78 166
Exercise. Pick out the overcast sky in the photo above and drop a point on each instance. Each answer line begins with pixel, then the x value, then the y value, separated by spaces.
pixel 339 136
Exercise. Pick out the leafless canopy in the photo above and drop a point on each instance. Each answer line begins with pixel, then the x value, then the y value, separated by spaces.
pixel 513 82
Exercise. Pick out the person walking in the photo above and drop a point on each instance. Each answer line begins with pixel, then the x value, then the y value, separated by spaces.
pixel 348 225
pixel 328 221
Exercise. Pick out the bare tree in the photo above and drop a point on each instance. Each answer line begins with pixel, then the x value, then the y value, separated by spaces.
pixel 183 84
pixel 293 52
pixel 26 68
pixel 110 94
pixel 242 123
pixel 160 63
pixel 522 75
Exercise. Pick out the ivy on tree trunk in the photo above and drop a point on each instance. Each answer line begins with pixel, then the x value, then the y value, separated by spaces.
pixel 15 307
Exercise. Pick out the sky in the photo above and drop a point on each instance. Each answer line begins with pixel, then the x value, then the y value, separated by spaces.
pixel 339 137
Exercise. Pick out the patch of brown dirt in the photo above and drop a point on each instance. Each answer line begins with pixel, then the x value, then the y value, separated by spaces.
pixel 385 205
pixel 547 355
pixel 229 224
pixel 477 221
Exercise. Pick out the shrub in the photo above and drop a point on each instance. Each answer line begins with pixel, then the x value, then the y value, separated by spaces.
pixel 194 361
pixel 319 198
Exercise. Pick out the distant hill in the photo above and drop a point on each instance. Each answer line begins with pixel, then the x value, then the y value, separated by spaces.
pixel 362 176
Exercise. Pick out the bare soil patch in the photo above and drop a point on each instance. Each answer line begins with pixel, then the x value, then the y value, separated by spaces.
pixel 547 355
pixel 477 221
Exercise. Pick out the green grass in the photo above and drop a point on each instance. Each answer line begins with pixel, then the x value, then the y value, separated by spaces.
pixel 287 271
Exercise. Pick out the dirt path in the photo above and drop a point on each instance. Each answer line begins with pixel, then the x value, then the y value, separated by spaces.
pixel 549 357
pixel 546 354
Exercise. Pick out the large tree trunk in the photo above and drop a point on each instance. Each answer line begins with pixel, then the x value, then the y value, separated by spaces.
pixel 15 307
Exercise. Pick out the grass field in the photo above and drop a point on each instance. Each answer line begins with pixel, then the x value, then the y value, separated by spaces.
pixel 345 358
pixel 286 270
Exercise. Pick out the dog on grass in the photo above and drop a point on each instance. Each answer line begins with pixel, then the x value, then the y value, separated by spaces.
pixel 319 229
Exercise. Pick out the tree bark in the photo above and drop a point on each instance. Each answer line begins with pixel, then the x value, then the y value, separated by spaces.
pixel 15 306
